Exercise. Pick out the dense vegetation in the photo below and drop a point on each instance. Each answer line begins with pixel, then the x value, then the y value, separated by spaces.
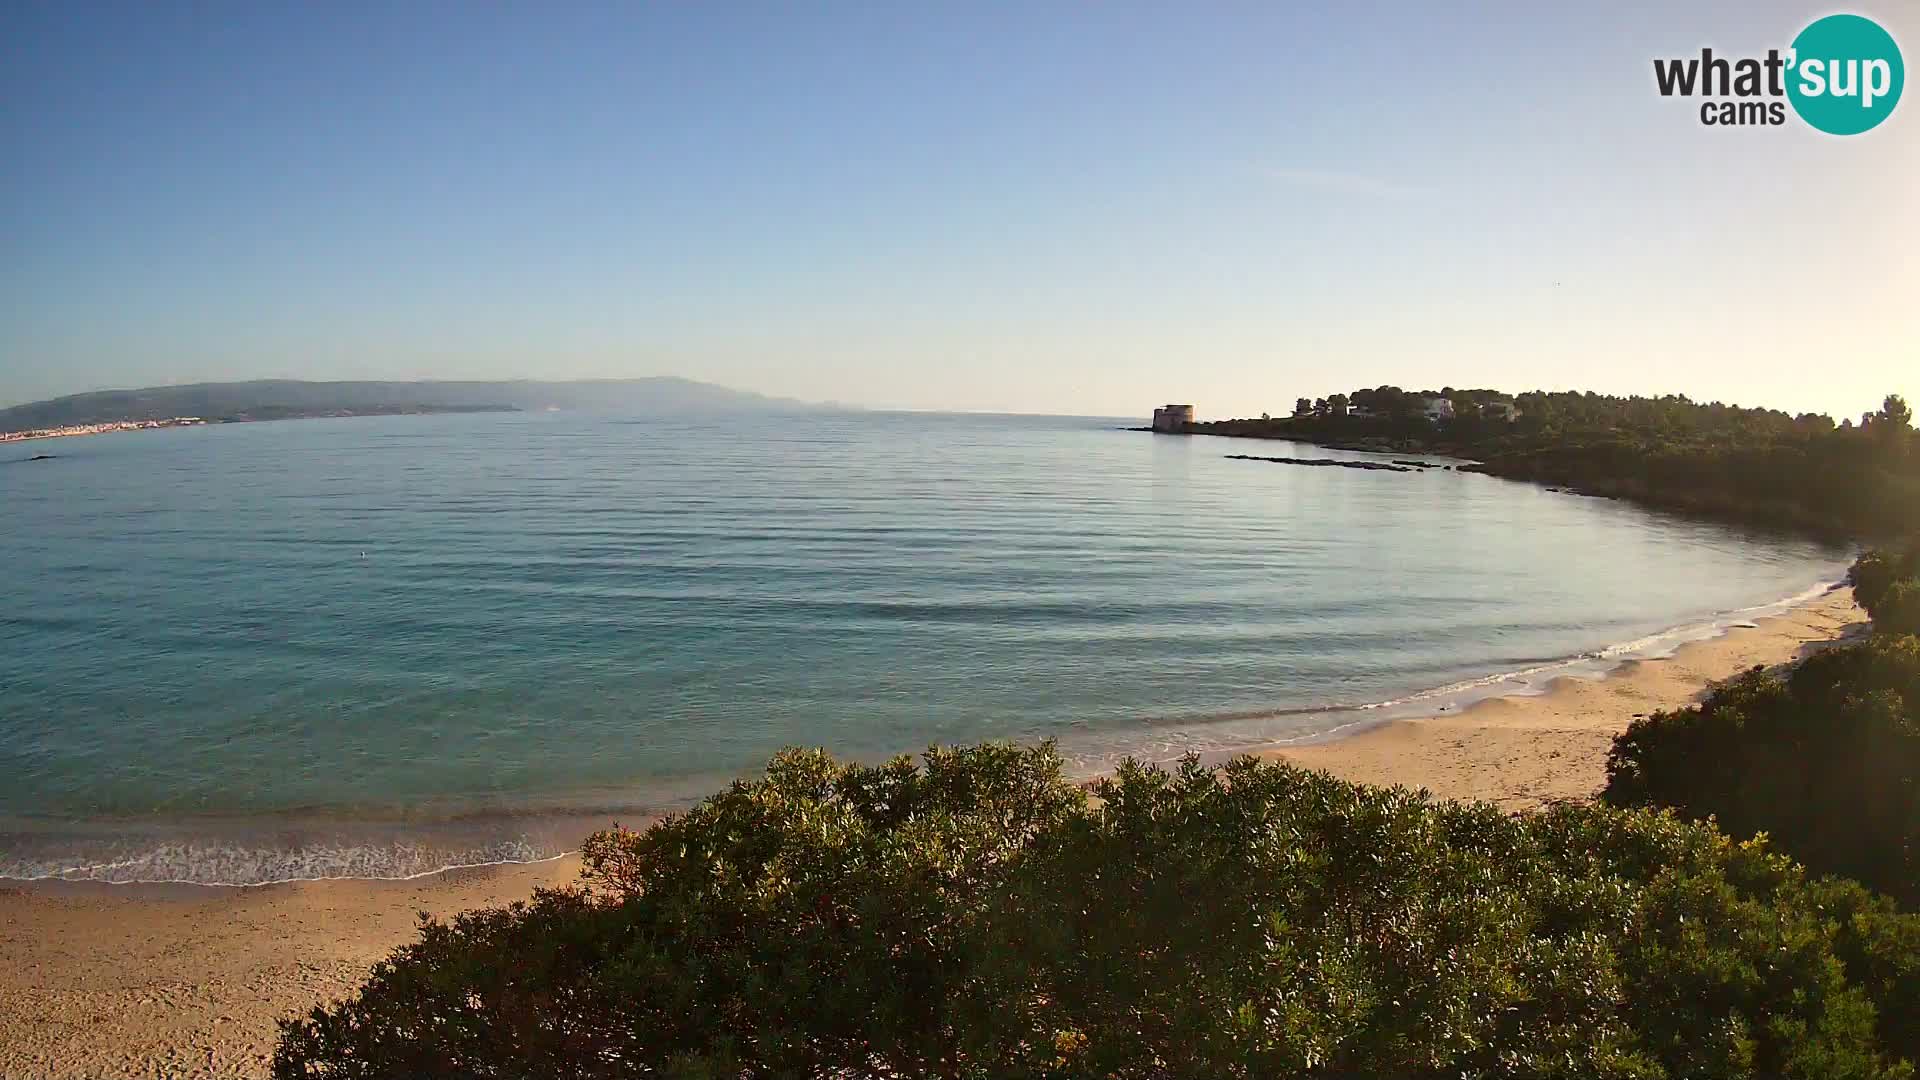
pixel 1887 584
pixel 977 916
pixel 1759 465
pixel 1824 759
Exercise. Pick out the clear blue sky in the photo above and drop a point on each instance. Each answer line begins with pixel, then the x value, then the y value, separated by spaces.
pixel 1086 208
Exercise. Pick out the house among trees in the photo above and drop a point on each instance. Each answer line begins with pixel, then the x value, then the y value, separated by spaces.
pixel 1500 410
pixel 1437 408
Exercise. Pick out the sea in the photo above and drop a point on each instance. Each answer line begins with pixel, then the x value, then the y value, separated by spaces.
pixel 380 647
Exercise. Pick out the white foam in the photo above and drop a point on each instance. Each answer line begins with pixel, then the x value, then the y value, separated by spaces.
pixel 250 866
pixel 1217 738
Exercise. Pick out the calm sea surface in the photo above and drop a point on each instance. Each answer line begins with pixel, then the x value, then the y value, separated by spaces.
pixel 380 646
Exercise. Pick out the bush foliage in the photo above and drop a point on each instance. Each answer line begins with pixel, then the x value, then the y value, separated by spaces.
pixel 1887 584
pixel 1825 760
pixel 976 915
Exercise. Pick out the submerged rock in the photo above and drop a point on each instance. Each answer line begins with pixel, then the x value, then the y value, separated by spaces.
pixel 1370 466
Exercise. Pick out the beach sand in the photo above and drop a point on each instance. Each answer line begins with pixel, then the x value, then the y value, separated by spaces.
pixel 1521 752
pixel 106 981
pixel 179 981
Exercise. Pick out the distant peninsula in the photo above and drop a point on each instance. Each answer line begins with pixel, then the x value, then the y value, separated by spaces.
pixel 1708 459
pixel 287 399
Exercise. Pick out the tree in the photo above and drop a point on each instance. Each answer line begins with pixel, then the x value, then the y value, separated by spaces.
pixel 1892 426
pixel 1875 575
pixel 1337 404
pixel 1303 407
pixel 1895 413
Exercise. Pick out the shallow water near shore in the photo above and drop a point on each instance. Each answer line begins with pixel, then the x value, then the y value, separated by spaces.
pixel 376 647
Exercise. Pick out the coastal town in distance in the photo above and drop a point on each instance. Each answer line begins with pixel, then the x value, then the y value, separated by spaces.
pixel 98 429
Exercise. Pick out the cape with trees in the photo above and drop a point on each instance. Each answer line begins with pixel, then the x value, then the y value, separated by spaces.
pixel 1759 465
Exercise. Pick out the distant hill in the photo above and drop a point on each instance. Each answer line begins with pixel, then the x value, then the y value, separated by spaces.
pixel 266 398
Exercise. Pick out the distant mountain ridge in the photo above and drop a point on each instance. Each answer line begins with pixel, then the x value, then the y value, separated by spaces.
pixel 291 396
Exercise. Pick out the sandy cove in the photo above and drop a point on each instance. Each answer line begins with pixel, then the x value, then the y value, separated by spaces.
pixel 1520 752
pixel 184 981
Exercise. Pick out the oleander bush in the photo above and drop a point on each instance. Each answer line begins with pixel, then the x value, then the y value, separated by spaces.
pixel 976 915
pixel 1825 759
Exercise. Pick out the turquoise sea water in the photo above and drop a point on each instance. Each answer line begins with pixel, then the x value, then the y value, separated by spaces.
pixel 379 646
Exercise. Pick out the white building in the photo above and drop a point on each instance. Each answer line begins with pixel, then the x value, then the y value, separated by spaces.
pixel 1500 410
pixel 1172 419
pixel 1437 408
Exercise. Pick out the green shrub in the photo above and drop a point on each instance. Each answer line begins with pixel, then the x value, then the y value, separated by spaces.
pixel 1898 611
pixel 1829 678
pixel 1884 583
pixel 1825 762
pixel 1874 572
pixel 977 916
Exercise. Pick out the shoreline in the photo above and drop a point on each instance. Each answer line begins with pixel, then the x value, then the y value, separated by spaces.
pixel 411 846
pixel 1456 699
pixel 1529 748
pixel 112 427
pixel 1781 518
pixel 107 427
pixel 174 980
pixel 154 980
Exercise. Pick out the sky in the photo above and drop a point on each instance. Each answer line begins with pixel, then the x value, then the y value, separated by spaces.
pixel 1064 208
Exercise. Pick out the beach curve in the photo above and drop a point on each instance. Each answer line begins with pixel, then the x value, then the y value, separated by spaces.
pixel 190 981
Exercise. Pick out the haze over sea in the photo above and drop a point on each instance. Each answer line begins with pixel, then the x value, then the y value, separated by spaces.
pixel 380 646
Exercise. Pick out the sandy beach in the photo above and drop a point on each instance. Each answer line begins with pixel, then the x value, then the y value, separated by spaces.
pixel 1521 752
pixel 149 982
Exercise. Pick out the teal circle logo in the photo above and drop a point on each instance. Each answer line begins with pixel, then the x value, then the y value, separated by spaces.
pixel 1845 74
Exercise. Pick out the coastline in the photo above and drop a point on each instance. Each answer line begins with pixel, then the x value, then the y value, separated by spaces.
pixel 105 427
pixel 421 840
pixel 1526 750
pixel 109 427
pixel 1520 467
pixel 189 980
